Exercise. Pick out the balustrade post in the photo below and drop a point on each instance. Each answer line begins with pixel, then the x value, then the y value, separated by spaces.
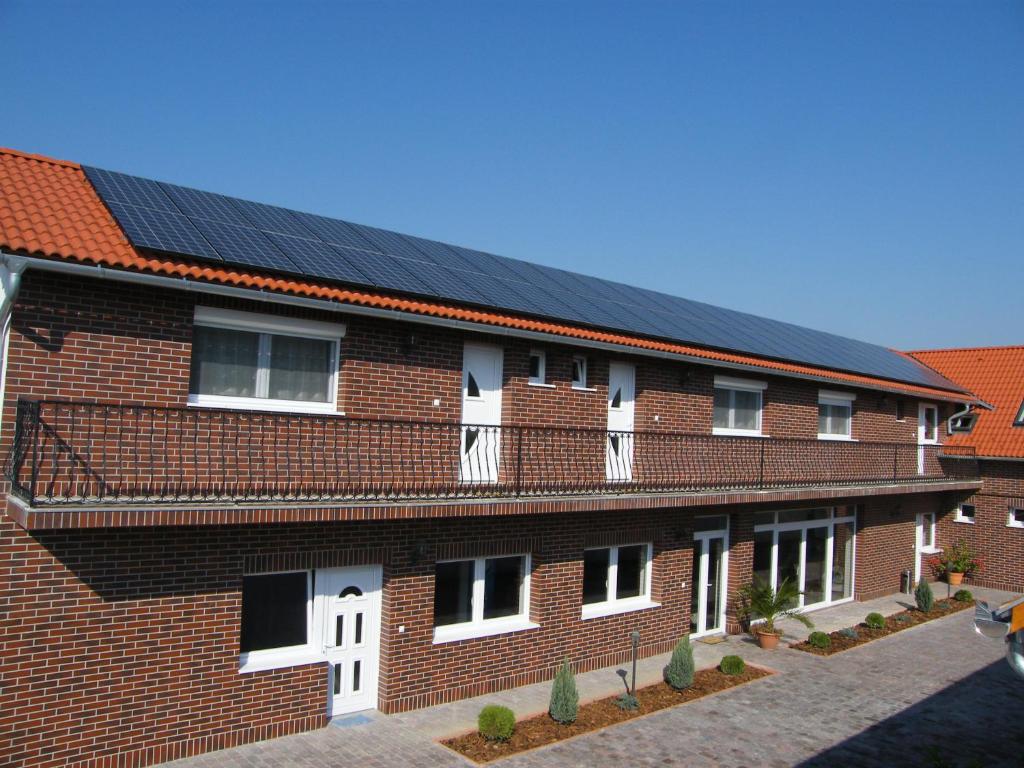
pixel 36 429
pixel 519 461
pixel 760 478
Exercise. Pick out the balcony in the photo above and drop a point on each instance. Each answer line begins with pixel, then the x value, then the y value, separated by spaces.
pixel 76 454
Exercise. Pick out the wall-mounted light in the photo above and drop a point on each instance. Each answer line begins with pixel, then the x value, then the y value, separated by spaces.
pixel 685 376
pixel 417 553
pixel 408 344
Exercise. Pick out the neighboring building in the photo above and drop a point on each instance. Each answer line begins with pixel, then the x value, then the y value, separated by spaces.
pixel 265 467
pixel 991 520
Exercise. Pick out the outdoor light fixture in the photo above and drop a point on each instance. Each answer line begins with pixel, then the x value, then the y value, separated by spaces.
pixel 417 552
pixel 635 637
pixel 408 344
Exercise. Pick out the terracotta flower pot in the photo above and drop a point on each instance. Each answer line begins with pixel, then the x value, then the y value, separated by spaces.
pixel 955 579
pixel 768 640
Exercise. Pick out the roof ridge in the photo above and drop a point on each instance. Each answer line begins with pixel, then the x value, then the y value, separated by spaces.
pixel 994 347
pixel 39 158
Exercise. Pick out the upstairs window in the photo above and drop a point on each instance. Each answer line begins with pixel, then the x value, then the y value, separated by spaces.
pixel 538 367
pixel 964 513
pixel 835 415
pixel 1015 518
pixel 737 406
pixel 579 372
pixel 263 362
pixel 962 423
pixel 1018 420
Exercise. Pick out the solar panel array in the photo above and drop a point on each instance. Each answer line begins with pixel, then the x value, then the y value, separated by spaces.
pixel 180 220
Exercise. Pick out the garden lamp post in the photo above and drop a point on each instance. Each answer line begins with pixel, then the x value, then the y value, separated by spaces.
pixel 635 637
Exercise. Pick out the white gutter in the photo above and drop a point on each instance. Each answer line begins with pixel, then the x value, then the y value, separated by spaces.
pixel 251 294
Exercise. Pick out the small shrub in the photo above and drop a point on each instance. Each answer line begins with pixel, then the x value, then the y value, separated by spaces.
pixel 820 640
pixel 963 596
pixel 902 618
pixel 679 671
pixel 849 632
pixel 496 723
pixel 627 701
pixel 924 597
pixel 875 620
pixel 732 665
pixel 565 700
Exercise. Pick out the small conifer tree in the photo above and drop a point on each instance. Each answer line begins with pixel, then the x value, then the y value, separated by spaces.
pixel 565 700
pixel 924 597
pixel 679 672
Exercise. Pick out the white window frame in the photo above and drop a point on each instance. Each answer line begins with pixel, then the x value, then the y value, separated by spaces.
pixel 478 626
pixel 1011 522
pixel 581 383
pixel 960 517
pixel 289 656
pixel 540 380
pixel 612 605
pixel 928 538
pixel 267 325
pixel 840 400
pixel 733 385
pixel 922 426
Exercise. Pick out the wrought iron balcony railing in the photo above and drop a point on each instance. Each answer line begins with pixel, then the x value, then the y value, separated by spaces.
pixel 89 453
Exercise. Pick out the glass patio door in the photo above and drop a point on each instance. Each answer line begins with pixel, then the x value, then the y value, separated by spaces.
pixel 710 575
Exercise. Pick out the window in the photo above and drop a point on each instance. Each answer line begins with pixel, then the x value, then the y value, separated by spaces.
pixel 928 428
pixel 928 532
pixel 962 423
pixel 276 617
pixel 835 415
pixel 264 362
pixel 579 372
pixel 737 406
pixel 1018 420
pixel 964 513
pixel 538 368
pixel 1016 518
pixel 616 579
pixel 483 596
pixel 900 410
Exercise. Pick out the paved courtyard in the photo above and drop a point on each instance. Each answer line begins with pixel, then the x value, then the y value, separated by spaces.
pixel 938 686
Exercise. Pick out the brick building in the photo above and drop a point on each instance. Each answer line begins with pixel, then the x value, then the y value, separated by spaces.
pixel 241 499
pixel 991 520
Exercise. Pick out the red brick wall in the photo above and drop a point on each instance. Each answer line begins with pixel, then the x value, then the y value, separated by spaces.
pixel 1001 548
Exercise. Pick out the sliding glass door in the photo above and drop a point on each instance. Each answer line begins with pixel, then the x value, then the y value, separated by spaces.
pixel 814 548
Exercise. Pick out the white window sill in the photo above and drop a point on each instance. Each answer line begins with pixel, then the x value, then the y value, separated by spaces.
pixel 596 610
pixel 455 632
pixel 261 404
pixel 258 661
pixel 963 520
pixel 838 438
pixel 583 389
pixel 542 384
pixel 931 550
pixel 1015 525
pixel 737 432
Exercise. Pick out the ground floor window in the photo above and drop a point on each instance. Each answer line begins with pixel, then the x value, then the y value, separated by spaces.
pixel 277 617
pixel 964 513
pixel 616 579
pixel 1016 518
pixel 814 548
pixel 485 595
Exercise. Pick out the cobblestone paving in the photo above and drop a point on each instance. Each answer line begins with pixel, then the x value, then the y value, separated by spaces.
pixel 883 704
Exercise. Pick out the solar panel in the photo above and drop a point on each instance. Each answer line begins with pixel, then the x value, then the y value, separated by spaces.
pixel 133 190
pixel 161 231
pixel 318 259
pixel 175 219
pixel 244 245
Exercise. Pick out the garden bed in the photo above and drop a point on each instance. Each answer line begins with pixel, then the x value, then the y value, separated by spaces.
pixel 911 617
pixel 541 729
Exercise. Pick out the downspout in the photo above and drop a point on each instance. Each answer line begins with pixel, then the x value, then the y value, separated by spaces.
pixel 957 415
pixel 11 270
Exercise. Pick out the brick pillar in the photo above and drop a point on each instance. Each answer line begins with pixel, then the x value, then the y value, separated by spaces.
pixel 741 564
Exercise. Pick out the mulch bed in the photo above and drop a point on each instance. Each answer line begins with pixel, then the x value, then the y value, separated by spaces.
pixel 541 729
pixel 897 622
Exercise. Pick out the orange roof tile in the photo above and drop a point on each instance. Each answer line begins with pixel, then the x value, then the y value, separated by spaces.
pixel 49 209
pixel 996 375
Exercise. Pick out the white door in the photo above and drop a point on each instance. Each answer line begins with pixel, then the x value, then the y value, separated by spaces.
pixel 927 432
pixel 710 574
pixel 619 452
pixel 351 635
pixel 480 444
pixel 924 541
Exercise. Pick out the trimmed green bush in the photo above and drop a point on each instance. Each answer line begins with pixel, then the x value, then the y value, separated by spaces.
pixel 963 596
pixel 565 700
pixel 496 723
pixel 902 618
pixel 732 665
pixel 627 701
pixel 849 632
pixel 924 597
pixel 679 671
pixel 820 640
pixel 875 620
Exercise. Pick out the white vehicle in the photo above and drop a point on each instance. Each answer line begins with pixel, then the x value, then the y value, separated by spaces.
pixel 1004 621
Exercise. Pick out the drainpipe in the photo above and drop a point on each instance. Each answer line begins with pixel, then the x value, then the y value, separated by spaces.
pixel 11 269
pixel 957 415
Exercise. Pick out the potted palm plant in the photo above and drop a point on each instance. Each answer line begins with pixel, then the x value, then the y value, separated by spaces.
pixel 759 601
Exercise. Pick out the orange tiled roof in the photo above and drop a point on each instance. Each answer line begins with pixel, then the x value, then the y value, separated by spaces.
pixel 49 209
pixel 996 375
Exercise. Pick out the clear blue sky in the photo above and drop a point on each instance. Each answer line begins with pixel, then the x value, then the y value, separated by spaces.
pixel 854 167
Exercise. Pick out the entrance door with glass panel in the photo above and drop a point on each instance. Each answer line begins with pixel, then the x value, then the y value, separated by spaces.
pixel 710 575
pixel 352 631
pixel 927 433
pixel 924 541
pixel 812 548
pixel 480 443
pixel 619 452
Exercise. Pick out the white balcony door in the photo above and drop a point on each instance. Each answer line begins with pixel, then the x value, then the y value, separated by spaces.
pixel 351 635
pixel 480 444
pixel 927 432
pixel 621 395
